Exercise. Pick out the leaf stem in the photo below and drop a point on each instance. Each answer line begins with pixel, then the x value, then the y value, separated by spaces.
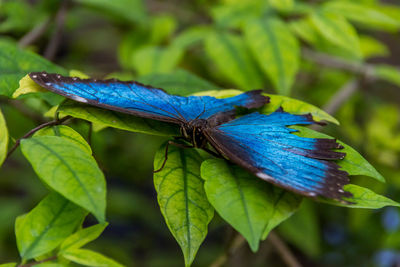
pixel 235 244
pixel 34 130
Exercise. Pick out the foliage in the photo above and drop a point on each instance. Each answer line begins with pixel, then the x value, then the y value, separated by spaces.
pixel 312 51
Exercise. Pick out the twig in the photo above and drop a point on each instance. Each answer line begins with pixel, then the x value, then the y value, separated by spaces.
pixel 366 70
pixel 236 243
pixel 34 34
pixel 283 250
pixel 341 96
pixel 54 42
pixel 38 262
pixel 34 130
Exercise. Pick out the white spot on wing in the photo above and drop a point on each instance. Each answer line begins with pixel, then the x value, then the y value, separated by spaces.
pixel 264 176
pixel 44 74
pixel 78 98
pixel 34 76
pixel 48 84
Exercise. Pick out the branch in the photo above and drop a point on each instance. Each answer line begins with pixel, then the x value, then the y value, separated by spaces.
pixel 54 42
pixel 38 262
pixel 365 70
pixel 341 96
pixel 283 250
pixel 34 130
pixel 236 243
pixel 34 34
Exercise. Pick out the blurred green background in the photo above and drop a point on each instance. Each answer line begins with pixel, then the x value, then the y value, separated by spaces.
pixel 346 64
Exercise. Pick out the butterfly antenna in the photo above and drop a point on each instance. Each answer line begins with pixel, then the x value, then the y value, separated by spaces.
pixel 166 153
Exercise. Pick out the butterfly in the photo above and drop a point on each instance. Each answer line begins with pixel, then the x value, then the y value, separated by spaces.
pixel 262 144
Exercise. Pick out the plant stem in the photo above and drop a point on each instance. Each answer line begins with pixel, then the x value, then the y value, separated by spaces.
pixel 283 250
pixel 34 130
pixel 236 243
pixel 341 96
pixel 34 34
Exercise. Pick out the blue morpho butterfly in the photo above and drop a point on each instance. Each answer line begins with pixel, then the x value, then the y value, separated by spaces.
pixel 262 144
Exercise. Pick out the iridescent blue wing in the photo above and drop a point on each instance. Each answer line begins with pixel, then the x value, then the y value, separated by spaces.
pixel 264 145
pixel 144 101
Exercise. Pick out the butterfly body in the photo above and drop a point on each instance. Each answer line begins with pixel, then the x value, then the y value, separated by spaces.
pixel 265 145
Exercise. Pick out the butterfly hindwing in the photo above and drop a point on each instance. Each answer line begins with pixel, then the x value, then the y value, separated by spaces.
pixel 144 101
pixel 264 145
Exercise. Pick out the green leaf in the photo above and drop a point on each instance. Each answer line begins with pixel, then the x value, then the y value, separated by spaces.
pixel 180 82
pixel 371 47
pixel 82 237
pixel 67 133
pixel 353 163
pixel 295 106
pixel 152 59
pixel 132 11
pixel 285 204
pixel 68 169
pixel 302 230
pixel 11 264
pixel 283 5
pixel 26 86
pixel 89 258
pixel 117 120
pixel 47 225
pixel 276 50
pixel 241 199
pixel 233 60
pixel 191 36
pixel 363 198
pixel 182 199
pixel 388 73
pixel 369 15
pixel 3 138
pixel 15 63
pixel 337 30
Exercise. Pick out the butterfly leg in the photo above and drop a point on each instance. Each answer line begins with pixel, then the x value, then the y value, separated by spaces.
pixel 166 153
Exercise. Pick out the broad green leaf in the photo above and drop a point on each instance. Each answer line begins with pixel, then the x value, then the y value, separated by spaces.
pixel 295 106
pixel 11 264
pixel 353 163
pixel 47 225
pixel 363 198
pixel 191 36
pixel 152 59
pixel 388 73
pixel 302 230
pixel 371 47
pixel 162 27
pixel 285 204
pixel 233 60
pixel 68 169
pixel 288 104
pixel 337 30
pixel 276 50
pixel 15 63
pixel 179 82
pixel 117 120
pixel 67 133
pixel 132 11
pixel 283 5
pixel 369 15
pixel 241 199
pixel 304 29
pixel 82 237
pixel 52 264
pixel 3 138
pixel 89 258
pixel 182 199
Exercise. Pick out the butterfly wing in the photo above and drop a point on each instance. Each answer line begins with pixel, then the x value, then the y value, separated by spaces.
pixel 264 145
pixel 141 100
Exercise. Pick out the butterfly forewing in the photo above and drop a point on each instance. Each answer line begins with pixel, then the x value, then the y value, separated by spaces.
pixel 144 101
